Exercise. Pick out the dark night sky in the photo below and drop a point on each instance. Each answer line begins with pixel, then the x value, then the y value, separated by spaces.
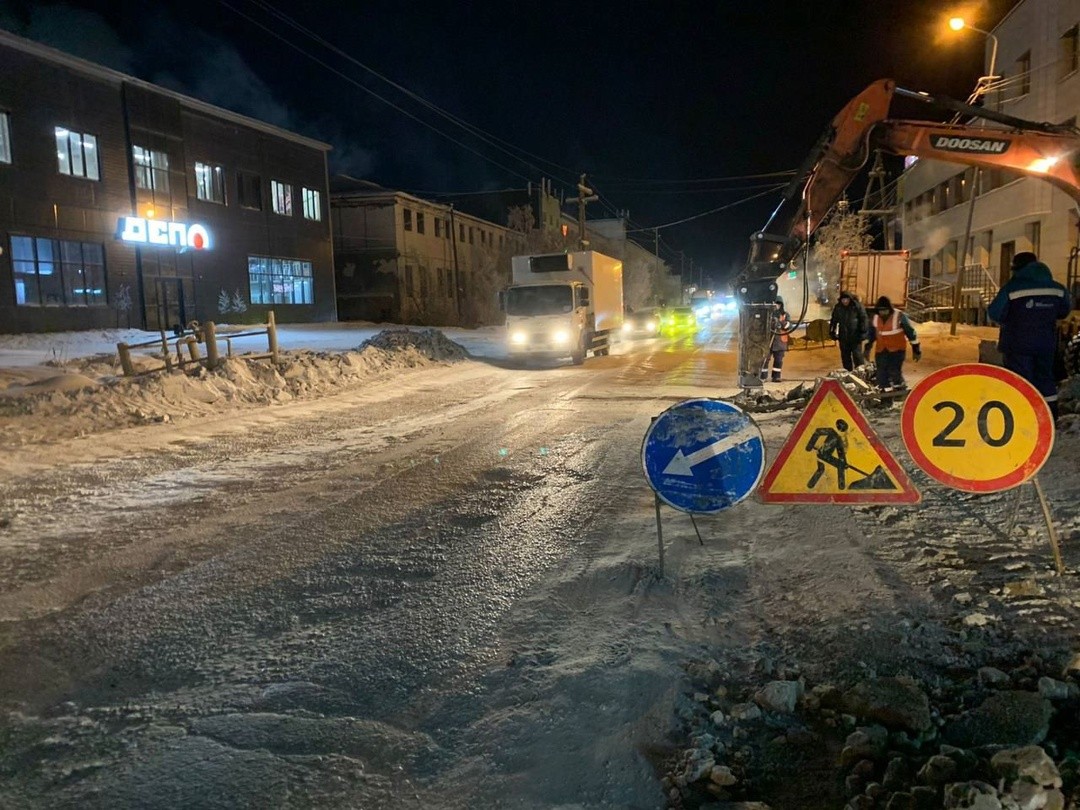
pixel 630 92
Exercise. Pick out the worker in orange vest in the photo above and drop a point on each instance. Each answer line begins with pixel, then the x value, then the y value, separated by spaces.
pixel 890 332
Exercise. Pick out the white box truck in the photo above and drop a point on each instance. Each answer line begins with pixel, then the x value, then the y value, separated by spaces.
pixel 873 273
pixel 563 305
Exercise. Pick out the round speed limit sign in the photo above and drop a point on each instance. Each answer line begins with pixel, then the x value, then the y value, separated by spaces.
pixel 977 428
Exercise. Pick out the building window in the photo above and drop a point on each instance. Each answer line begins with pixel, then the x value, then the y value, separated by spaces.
pixel 280 281
pixel 52 273
pixel 449 282
pixel 423 282
pixel 5 138
pixel 461 233
pixel 472 235
pixel 312 204
pixel 281 196
pixel 210 183
pixel 406 218
pixel 76 154
pixel 1034 235
pixel 151 169
pixel 1069 51
pixel 1023 68
pixel 409 291
pixel 419 221
pixel 438 228
pixel 249 190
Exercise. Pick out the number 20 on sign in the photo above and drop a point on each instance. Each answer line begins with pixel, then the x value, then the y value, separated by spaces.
pixel 978 428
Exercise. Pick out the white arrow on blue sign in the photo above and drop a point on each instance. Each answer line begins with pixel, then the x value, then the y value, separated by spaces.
pixel 703 455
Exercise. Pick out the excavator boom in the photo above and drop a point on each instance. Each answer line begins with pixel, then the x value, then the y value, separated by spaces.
pixel 1050 151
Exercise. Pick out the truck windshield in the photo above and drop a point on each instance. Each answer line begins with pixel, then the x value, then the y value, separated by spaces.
pixel 549 299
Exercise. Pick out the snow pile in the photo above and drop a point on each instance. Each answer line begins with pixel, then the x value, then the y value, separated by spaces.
pixel 90 395
pixel 426 344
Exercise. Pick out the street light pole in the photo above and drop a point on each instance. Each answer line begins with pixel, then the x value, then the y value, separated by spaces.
pixel 982 86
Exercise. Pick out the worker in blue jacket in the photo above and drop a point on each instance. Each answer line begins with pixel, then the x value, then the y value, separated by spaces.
pixel 1028 308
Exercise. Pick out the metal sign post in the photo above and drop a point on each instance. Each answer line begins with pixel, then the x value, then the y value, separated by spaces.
pixel 702 456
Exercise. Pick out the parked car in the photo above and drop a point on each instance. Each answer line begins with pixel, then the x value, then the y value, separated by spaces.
pixel 678 321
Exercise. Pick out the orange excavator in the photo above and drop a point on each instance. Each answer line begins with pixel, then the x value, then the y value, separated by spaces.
pixel 1049 151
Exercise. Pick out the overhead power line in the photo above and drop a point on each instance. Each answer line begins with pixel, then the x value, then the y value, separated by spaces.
pixel 492 140
pixel 716 210
pixel 369 91
pixel 690 181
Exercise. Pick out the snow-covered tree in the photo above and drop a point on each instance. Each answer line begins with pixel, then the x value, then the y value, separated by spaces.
pixel 239 303
pixel 224 302
pixel 843 230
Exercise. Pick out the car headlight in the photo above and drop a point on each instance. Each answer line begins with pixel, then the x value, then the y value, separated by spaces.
pixel 519 338
pixel 561 336
pixel 650 326
pixel 628 327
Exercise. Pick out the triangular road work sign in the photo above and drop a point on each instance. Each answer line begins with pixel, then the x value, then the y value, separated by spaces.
pixel 834 456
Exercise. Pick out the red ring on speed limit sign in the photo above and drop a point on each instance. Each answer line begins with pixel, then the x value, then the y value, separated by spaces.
pixel 977 428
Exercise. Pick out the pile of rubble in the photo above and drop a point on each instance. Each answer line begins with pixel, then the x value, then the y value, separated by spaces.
pixel 859 383
pixel 997 740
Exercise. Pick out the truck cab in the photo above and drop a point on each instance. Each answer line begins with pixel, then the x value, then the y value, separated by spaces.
pixel 563 305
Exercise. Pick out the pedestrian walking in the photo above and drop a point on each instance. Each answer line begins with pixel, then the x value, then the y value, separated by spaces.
pixel 848 327
pixel 1027 308
pixel 778 325
pixel 890 332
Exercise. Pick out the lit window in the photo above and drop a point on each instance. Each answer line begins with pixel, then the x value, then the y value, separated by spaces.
pixel 312 204
pixel 281 194
pixel 48 272
pixel 151 169
pixel 210 183
pixel 76 154
pixel 280 281
pixel 5 138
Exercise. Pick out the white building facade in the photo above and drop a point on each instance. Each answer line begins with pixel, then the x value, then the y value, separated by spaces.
pixel 1038 62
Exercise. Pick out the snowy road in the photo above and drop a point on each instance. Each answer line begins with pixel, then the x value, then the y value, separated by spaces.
pixel 361 556
pixel 437 591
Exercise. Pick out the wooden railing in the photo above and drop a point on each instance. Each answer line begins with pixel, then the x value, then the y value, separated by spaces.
pixel 190 340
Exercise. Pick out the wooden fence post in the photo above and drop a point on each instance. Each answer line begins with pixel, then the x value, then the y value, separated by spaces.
pixel 271 333
pixel 125 359
pixel 210 333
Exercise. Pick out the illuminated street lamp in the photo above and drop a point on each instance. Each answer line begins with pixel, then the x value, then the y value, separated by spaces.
pixel 981 88
pixel 957 24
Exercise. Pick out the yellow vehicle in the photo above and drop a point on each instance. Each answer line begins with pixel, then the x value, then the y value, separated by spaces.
pixel 678 321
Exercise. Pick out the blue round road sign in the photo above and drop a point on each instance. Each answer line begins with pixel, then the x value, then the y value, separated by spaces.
pixel 703 455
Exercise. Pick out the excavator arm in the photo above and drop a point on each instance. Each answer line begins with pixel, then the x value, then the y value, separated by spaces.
pixel 1050 151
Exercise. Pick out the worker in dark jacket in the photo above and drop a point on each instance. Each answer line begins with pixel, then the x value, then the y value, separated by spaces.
pixel 890 332
pixel 848 327
pixel 1028 308
pixel 778 326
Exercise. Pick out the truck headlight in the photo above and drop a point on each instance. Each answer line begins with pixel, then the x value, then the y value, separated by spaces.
pixel 560 337
pixel 519 338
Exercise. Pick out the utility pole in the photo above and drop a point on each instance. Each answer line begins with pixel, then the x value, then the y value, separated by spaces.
pixel 585 196
pixel 875 202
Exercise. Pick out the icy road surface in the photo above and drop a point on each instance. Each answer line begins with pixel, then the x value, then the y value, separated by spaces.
pixel 438 591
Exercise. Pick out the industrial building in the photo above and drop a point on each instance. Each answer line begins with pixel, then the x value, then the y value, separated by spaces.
pixel 126 204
